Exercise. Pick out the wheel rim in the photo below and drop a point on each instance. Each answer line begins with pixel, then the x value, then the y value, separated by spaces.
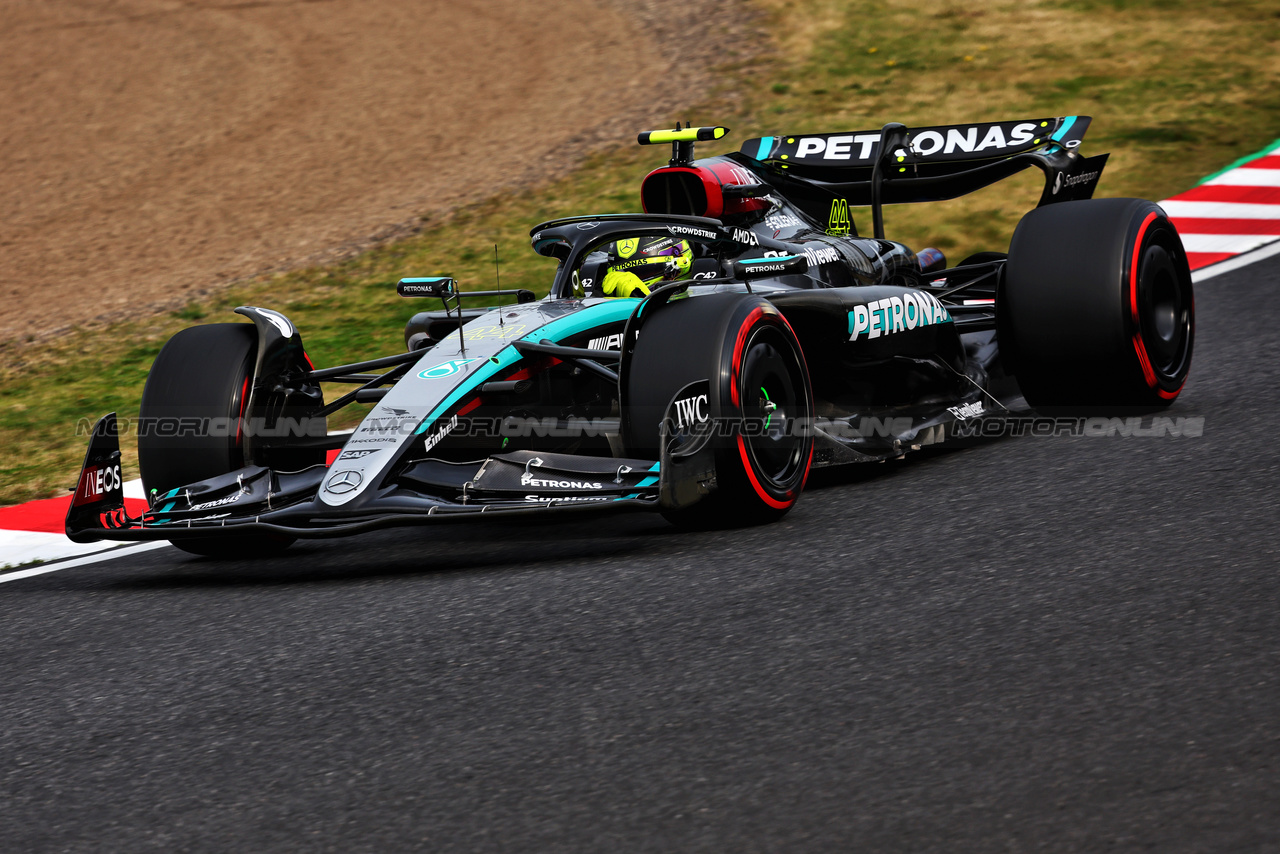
pixel 1164 309
pixel 773 402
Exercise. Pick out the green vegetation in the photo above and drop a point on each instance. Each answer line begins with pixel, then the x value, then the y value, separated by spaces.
pixel 1176 89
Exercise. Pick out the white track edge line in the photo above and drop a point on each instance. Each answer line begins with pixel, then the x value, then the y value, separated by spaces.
pixel 1229 264
pixel 97 557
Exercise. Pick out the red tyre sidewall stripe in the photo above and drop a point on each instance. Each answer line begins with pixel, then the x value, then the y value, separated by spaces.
pixel 738 346
pixel 1148 373
pixel 759 487
pixel 244 400
pixel 737 351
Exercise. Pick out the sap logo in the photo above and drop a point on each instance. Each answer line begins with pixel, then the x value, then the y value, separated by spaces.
pixel 964 413
pixel 434 439
pixel 819 256
pixel 691 410
pixel 97 482
pixel 896 314
pixel 606 342
pixel 957 139
pixel 742 235
pixel 355 455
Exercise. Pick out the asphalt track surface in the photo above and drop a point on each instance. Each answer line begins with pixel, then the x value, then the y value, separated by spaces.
pixel 1061 644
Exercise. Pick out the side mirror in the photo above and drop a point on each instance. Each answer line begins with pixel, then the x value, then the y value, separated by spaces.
pixel 768 268
pixel 435 286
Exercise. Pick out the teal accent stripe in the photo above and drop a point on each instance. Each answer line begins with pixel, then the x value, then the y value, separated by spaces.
pixel 766 145
pixel 768 260
pixel 167 507
pixel 1270 149
pixel 613 311
pixel 599 314
pixel 655 466
pixel 648 481
pixel 1062 131
pixel 506 357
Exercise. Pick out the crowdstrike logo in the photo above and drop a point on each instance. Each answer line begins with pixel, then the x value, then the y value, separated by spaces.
pixel 690 231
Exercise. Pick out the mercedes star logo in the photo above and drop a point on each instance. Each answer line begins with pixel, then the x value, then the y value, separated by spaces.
pixel 343 482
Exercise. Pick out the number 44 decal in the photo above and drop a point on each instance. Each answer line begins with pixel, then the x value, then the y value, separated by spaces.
pixel 838 222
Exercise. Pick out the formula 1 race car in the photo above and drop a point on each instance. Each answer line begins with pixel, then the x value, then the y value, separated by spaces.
pixel 775 340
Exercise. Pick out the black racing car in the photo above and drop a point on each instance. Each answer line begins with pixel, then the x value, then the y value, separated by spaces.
pixel 782 341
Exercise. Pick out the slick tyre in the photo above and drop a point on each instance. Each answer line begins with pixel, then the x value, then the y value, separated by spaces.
pixel 1097 310
pixel 202 373
pixel 756 377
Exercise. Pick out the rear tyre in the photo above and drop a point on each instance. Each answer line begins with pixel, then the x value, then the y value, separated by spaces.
pixel 202 373
pixel 756 377
pixel 1097 308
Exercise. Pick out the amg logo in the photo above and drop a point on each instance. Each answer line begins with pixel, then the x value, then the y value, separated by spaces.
pixel 606 342
pixel 746 236
pixel 691 410
pixel 896 314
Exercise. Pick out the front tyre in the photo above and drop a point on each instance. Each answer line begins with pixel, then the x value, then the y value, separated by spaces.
pixel 201 376
pixel 759 396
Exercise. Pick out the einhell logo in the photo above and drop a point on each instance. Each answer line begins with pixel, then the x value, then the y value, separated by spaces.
pixel 97 483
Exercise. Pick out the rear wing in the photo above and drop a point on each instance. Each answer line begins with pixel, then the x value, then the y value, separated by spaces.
pixel 944 144
pixel 900 165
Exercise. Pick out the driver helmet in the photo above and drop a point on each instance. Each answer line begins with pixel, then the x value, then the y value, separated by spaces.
pixel 637 264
